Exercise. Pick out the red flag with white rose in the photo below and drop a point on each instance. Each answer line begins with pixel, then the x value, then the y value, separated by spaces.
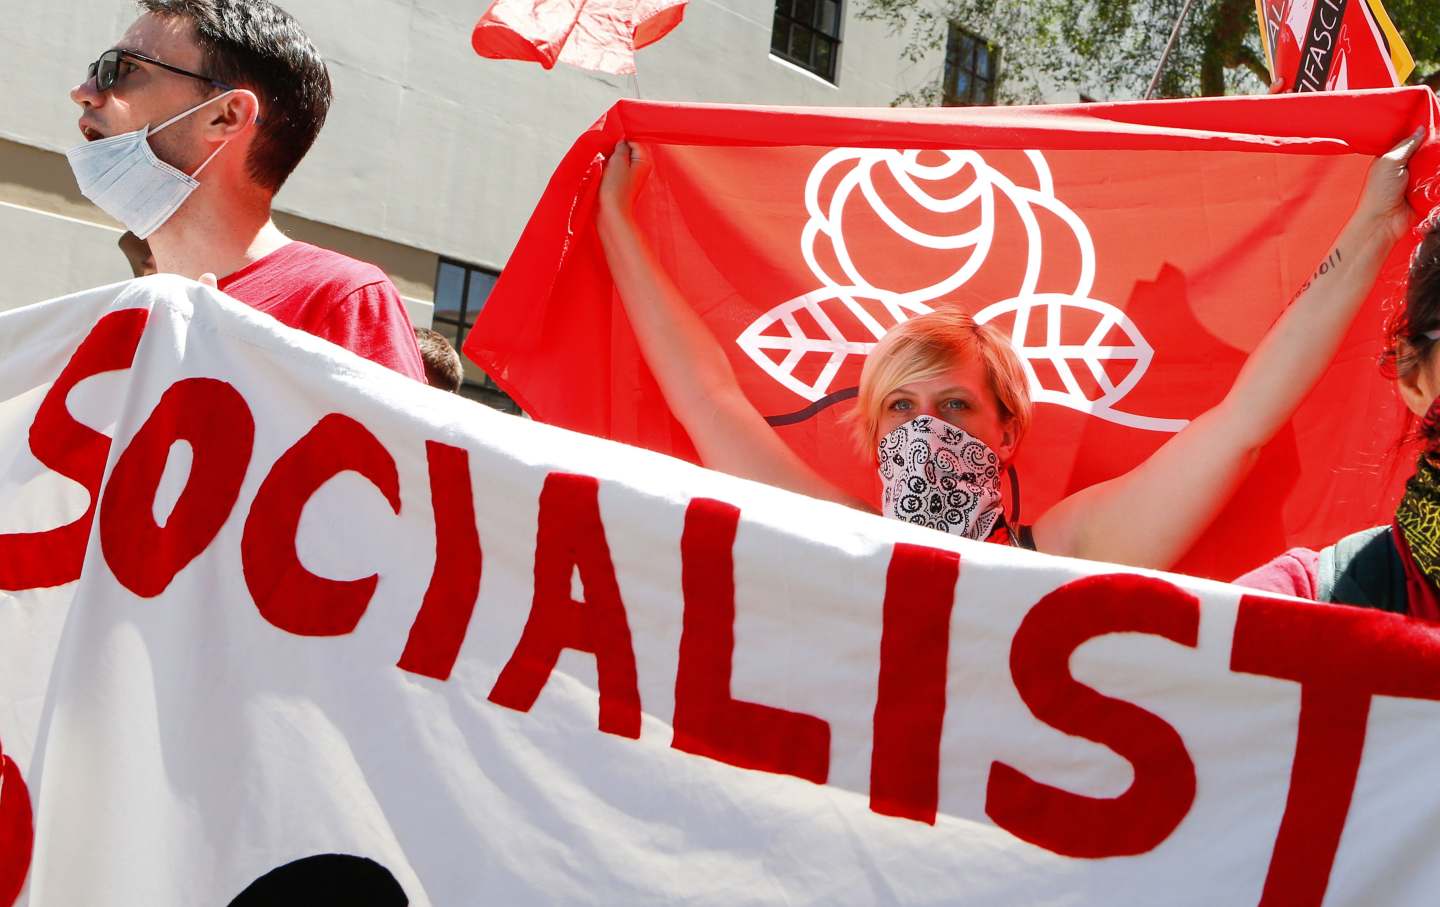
pixel 1134 252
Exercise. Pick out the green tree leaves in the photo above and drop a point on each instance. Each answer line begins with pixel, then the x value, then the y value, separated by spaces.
pixel 1110 48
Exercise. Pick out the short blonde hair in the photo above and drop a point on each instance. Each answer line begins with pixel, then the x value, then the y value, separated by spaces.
pixel 927 347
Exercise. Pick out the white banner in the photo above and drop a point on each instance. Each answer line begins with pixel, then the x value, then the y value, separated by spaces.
pixel 303 606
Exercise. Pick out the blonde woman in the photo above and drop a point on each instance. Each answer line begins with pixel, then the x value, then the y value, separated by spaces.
pixel 944 404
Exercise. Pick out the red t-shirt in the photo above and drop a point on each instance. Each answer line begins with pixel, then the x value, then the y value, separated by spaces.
pixel 347 302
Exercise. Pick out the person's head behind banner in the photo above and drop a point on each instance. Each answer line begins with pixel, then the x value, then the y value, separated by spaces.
pixel 943 404
pixel 443 368
pixel 945 365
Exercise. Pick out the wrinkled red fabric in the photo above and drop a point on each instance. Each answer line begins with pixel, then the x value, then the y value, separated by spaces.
pixel 601 35
pixel 1206 217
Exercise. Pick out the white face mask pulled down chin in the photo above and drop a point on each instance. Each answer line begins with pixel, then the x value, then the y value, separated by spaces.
pixel 942 477
pixel 124 178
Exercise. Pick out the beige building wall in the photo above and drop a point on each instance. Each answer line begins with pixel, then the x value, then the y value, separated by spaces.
pixel 429 150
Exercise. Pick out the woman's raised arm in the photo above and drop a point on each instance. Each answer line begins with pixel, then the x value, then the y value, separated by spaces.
pixel 1151 515
pixel 697 380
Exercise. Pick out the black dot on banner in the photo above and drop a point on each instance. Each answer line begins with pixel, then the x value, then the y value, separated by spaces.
pixel 325 880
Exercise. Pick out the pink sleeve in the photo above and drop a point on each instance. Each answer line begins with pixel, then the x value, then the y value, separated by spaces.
pixel 1293 573
pixel 373 323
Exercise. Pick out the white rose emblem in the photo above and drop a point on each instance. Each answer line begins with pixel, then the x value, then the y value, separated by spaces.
pixel 941 211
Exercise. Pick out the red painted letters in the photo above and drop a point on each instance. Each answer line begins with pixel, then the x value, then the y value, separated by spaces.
pixel 1341 657
pixel 444 616
pixel 708 721
pixel 17 830
pixel 914 665
pixel 213 418
pixel 289 596
pixel 1143 816
pixel 34 560
pixel 570 537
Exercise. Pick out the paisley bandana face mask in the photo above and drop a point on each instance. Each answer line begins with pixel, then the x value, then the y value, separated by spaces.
pixel 940 476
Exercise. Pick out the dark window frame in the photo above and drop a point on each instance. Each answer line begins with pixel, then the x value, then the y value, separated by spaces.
pixel 485 390
pixel 799 35
pixel 963 57
pixel 465 319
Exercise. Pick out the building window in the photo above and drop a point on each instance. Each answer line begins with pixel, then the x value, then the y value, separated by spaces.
pixel 807 33
pixel 971 63
pixel 460 294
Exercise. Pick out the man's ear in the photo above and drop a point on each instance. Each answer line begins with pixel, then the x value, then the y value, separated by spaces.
pixel 234 114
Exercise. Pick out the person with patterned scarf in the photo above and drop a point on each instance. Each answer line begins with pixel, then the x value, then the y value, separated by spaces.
pixel 1395 567
pixel 943 403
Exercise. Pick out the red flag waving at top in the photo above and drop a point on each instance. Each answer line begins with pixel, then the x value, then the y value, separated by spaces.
pixel 1135 254
pixel 1332 45
pixel 601 35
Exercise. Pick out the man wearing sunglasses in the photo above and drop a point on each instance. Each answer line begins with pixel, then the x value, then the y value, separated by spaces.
pixel 192 122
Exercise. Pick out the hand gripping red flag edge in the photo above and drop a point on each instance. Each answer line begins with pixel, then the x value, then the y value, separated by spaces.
pixel 1367 122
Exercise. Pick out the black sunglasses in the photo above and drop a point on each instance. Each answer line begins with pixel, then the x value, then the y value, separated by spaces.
pixel 106 71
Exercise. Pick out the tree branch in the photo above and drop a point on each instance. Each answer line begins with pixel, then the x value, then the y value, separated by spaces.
pixel 1247 58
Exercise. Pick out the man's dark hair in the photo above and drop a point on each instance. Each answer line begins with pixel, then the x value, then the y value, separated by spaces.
pixel 255 44
pixel 442 363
